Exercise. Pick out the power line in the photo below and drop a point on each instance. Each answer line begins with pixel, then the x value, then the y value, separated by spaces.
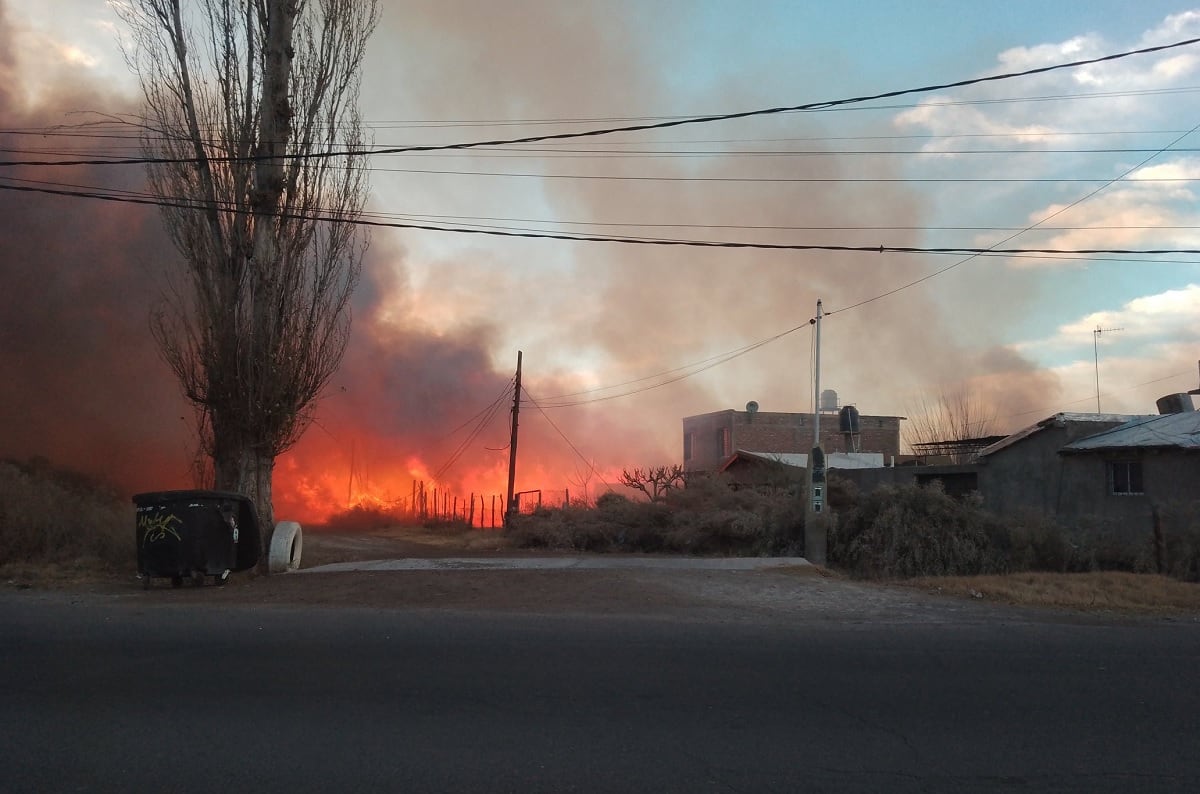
pixel 778 179
pixel 591 466
pixel 656 125
pixel 486 417
pixel 677 374
pixel 1091 397
pixel 995 249
pixel 881 249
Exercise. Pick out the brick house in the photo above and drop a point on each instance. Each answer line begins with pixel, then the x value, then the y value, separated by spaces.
pixel 709 440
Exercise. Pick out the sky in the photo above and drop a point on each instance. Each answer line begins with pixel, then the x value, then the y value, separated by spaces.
pixel 1096 157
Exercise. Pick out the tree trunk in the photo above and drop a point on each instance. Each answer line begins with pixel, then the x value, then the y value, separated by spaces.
pixel 244 470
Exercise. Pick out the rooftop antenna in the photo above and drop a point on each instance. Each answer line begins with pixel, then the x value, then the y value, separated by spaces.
pixel 1096 357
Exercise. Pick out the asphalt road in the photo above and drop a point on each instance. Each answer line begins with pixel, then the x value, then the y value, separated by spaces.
pixel 126 694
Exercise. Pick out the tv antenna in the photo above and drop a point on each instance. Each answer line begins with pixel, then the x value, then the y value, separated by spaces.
pixel 1096 357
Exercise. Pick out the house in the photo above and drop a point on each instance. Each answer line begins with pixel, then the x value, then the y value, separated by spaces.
pixel 1024 472
pixel 1128 471
pixel 1074 466
pixel 709 440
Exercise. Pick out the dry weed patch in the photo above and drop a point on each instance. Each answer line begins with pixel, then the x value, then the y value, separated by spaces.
pixel 1115 591
pixel 61 522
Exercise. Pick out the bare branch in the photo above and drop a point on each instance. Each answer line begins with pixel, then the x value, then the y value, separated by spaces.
pixel 259 319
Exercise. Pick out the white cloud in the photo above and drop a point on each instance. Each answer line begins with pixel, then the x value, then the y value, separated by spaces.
pixel 1165 319
pixel 1026 121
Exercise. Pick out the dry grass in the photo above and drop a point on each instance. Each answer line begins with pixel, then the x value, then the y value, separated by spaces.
pixel 1102 591
pixel 61 522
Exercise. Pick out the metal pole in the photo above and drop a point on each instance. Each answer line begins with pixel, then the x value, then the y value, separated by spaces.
pixel 1096 355
pixel 512 444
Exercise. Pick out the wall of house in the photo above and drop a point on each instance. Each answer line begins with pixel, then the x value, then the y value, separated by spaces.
pixel 1028 475
pixel 1025 477
pixel 1169 476
pixel 778 432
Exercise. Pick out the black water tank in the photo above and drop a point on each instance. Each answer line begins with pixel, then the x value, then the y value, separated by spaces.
pixel 848 418
pixel 1176 404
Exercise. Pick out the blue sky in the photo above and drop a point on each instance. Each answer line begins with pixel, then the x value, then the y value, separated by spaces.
pixel 1017 331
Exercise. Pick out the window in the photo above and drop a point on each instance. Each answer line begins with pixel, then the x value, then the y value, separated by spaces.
pixel 723 444
pixel 1125 477
pixel 687 446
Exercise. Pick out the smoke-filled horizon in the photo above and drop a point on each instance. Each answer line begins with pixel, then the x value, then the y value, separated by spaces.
pixel 438 319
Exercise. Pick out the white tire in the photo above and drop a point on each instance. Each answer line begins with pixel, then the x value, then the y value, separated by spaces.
pixel 286 546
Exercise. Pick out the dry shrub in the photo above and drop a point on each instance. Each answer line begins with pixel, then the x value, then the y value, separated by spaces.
pixel 706 517
pixel 1181 540
pixel 913 531
pixel 710 517
pixel 1035 543
pixel 902 532
pixel 360 518
pixel 54 517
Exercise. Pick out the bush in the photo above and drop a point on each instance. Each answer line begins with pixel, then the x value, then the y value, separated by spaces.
pixel 913 531
pixel 892 532
pixel 1180 523
pixel 706 517
pixel 50 516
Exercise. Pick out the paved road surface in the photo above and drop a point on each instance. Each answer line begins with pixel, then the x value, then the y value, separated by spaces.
pixel 106 693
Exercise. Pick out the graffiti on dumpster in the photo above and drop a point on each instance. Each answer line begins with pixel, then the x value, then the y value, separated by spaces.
pixel 156 527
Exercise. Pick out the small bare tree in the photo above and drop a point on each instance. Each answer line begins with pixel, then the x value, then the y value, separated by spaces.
pixel 245 101
pixel 948 420
pixel 583 481
pixel 654 482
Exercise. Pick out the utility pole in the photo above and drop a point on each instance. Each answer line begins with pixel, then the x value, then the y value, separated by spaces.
pixel 509 510
pixel 817 377
pixel 1096 359
pixel 815 531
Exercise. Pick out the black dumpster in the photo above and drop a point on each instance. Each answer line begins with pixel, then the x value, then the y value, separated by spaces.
pixel 194 534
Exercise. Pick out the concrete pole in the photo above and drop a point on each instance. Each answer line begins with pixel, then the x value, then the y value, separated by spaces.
pixel 815 526
pixel 817 378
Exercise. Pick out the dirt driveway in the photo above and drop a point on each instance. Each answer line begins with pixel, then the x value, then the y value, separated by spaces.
pixel 795 593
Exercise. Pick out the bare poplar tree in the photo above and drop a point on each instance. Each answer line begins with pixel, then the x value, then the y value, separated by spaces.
pixel 243 101
pixel 945 421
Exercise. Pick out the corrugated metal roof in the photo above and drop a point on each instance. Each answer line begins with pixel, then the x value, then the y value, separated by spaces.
pixel 1175 431
pixel 1057 420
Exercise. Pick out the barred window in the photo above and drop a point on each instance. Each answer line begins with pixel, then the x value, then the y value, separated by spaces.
pixel 1125 477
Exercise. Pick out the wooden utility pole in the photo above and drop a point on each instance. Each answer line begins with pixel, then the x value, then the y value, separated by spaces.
pixel 512 445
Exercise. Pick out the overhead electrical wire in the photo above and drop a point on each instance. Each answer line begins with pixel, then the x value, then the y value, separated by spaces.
pixel 485 418
pixel 778 179
pixel 591 465
pixel 972 252
pixel 667 377
pixel 656 125
pixel 881 249
pixel 1091 397
pixel 995 248
pixel 137 142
